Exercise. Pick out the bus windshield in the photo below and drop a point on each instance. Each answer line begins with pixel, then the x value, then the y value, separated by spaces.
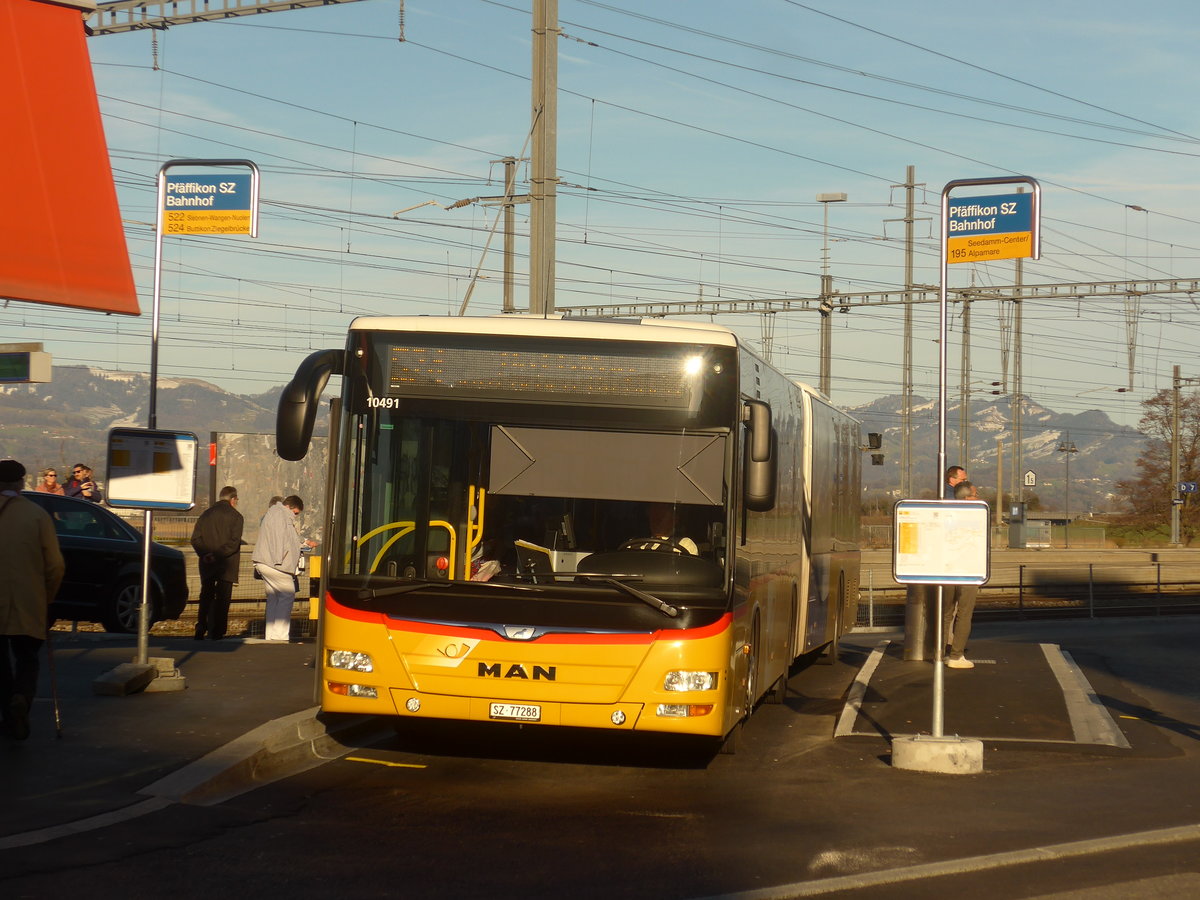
pixel 464 499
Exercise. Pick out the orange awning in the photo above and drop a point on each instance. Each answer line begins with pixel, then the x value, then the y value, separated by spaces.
pixel 61 240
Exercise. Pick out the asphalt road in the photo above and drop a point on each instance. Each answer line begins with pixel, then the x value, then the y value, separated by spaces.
pixel 451 810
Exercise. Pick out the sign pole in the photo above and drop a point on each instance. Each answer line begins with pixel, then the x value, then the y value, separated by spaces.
pixel 214 219
pixel 1002 238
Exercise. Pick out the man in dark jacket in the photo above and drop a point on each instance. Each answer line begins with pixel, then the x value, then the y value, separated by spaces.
pixel 81 485
pixel 33 569
pixel 217 540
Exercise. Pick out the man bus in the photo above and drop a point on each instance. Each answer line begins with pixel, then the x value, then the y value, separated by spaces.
pixel 632 526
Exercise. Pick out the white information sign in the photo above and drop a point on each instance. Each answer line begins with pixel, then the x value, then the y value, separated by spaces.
pixel 151 469
pixel 941 542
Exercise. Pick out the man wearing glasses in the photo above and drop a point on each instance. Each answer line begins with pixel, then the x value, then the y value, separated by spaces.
pixel 81 484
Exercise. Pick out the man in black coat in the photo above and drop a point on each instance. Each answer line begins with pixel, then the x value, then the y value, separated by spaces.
pixel 217 540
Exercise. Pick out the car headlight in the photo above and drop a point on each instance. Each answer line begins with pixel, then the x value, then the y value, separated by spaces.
pixel 353 660
pixel 690 681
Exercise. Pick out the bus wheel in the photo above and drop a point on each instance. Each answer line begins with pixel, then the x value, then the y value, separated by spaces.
pixel 778 692
pixel 752 669
pixel 729 743
pixel 833 651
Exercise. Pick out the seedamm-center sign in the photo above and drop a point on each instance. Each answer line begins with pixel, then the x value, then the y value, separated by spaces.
pixel 983 229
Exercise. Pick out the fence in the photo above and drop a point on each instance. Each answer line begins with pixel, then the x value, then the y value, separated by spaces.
pixel 1035 591
pixel 1045 535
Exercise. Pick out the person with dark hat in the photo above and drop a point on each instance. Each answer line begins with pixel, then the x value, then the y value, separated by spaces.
pixel 33 569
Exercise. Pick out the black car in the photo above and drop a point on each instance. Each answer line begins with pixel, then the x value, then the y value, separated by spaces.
pixel 103 582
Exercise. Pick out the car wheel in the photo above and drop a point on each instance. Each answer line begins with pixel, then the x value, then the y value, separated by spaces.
pixel 124 607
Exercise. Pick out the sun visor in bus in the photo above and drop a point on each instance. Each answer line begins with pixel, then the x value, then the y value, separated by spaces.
pixel 607 465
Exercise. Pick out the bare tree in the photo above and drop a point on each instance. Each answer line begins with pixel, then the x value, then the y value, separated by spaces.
pixel 1148 496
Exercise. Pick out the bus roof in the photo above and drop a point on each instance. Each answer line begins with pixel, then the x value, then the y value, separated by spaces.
pixel 664 331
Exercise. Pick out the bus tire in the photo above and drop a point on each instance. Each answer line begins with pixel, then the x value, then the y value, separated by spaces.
pixel 778 692
pixel 729 744
pixel 833 651
pixel 752 667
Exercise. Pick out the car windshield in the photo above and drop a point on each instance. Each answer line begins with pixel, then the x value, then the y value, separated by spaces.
pixel 82 519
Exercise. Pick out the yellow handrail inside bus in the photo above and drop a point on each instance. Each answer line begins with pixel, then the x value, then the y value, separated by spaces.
pixel 406 528
pixel 475 529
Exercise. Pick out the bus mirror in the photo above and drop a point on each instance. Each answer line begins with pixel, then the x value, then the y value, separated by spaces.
pixel 874 440
pixel 758 420
pixel 760 459
pixel 299 401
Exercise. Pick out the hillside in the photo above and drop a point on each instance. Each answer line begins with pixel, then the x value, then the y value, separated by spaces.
pixel 1106 452
pixel 67 421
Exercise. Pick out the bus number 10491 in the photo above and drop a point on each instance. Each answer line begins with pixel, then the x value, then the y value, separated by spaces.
pixel 383 402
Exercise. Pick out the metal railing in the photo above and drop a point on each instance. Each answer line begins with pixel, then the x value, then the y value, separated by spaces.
pixel 879 536
pixel 1043 591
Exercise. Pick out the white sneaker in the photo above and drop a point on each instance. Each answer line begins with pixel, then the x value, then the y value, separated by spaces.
pixel 959 662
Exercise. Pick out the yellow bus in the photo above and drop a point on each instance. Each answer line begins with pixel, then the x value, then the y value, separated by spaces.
pixel 620 525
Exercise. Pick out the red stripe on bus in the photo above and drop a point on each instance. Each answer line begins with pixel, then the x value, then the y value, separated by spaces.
pixel 485 634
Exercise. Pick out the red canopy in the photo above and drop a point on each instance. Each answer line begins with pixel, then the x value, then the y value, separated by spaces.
pixel 61 240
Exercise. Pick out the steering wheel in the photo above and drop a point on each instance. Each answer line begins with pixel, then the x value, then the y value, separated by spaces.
pixel 671 545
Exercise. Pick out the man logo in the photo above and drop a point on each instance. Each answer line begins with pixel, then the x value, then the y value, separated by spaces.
pixel 516 670
pixel 519 632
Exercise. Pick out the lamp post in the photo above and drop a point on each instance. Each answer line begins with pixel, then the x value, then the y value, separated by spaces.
pixel 826 306
pixel 1067 446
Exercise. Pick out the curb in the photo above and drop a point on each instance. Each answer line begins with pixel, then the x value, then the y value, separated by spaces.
pixel 274 750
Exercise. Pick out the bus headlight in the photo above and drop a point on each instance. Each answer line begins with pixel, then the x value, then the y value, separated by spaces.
pixel 350 659
pixel 690 681
pixel 365 691
pixel 682 710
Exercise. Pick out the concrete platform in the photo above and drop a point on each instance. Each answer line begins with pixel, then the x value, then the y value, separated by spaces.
pixel 1026 692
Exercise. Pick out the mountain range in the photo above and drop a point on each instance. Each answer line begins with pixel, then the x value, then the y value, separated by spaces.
pixel 67 421
pixel 1104 454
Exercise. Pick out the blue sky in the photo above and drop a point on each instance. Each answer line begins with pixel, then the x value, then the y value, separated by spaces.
pixel 693 137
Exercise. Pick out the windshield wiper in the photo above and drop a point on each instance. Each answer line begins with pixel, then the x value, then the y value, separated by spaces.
pixel 649 599
pixel 397 589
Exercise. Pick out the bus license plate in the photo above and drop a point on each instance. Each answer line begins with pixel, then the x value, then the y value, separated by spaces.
pixel 517 711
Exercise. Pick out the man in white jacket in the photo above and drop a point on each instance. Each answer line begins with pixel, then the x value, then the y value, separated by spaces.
pixel 277 560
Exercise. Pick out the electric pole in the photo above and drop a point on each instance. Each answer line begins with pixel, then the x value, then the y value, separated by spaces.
pixel 1175 498
pixel 543 180
pixel 510 188
pixel 910 175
